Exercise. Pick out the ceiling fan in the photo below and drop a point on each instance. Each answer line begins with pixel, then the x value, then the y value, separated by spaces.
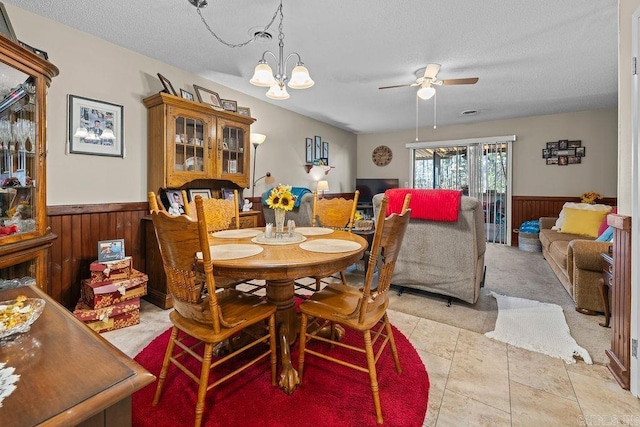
pixel 427 79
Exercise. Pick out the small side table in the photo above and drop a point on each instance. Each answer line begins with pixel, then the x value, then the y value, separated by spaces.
pixel 604 286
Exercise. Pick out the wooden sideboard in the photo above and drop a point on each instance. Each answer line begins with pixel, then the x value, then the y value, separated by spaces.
pixel 69 375
pixel 619 355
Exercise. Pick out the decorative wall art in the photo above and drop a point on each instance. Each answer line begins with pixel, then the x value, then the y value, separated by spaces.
pixel 564 152
pixel 168 87
pixel 95 127
pixel 309 150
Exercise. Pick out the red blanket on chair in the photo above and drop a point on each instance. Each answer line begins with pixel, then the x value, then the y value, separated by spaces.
pixel 435 205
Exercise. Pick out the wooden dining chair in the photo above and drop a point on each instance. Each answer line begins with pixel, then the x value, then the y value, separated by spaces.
pixel 363 310
pixel 221 214
pixel 202 313
pixel 337 213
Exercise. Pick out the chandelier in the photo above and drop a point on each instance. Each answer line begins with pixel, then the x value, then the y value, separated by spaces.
pixel 263 74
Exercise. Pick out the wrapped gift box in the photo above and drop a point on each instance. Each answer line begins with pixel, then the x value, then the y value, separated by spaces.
pixel 117 322
pixel 111 270
pixel 87 314
pixel 105 294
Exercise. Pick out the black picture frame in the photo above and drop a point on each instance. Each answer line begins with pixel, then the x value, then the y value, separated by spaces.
pixel 546 153
pixel 168 87
pixel 309 150
pixel 563 160
pixel 317 150
pixel 111 250
pixel 208 97
pixel 581 151
pixel 5 24
pixel 229 105
pixel 205 193
pixel 552 145
pixel 575 144
pixel 325 149
pixel 563 144
pixel 172 194
pixel 95 118
pixel 186 95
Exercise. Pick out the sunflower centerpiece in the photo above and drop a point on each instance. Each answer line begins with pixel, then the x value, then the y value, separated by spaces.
pixel 281 200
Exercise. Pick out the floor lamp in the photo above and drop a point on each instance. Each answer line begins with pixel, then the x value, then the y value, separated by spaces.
pixel 256 140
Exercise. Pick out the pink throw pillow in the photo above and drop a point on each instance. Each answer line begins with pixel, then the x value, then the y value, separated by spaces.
pixel 604 224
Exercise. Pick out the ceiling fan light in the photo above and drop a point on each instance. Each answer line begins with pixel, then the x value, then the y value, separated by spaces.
pixel 300 78
pixel 426 92
pixel 263 75
pixel 277 92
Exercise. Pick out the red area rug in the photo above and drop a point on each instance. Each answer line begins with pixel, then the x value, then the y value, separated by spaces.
pixel 330 395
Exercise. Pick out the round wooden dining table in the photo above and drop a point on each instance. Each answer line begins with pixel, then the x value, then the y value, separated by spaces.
pixel 279 264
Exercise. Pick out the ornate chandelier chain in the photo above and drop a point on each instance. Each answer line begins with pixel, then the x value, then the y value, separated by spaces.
pixel 234 45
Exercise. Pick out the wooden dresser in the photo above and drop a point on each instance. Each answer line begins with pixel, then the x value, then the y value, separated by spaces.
pixel 69 375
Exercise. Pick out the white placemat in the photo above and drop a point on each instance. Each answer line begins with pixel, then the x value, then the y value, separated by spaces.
pixel 313 231
pixel 237 234
pixel 232 251
pixel 330 246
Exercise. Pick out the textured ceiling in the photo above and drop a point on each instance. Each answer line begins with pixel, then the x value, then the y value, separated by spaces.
pixel 532 57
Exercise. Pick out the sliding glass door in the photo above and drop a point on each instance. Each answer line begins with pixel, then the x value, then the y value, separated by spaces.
pixel 481 168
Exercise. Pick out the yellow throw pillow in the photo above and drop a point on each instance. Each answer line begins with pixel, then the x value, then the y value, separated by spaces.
pixel 583 222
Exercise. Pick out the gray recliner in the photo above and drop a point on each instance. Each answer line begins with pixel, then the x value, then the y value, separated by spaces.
pixel 445 258
pixel 301 215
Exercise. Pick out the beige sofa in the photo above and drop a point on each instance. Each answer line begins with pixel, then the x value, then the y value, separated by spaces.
pixel 445 258
pixel 576 260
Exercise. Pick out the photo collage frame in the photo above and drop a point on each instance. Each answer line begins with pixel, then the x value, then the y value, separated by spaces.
pixel 564 152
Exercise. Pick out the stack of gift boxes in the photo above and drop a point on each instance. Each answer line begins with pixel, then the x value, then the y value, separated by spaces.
pixel 110 298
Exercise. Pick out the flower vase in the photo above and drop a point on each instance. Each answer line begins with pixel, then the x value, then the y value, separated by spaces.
pixel 280 215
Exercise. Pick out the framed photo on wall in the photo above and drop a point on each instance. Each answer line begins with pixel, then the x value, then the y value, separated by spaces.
pixel 95 127
pixel 309 150
pixel 317 150
pixel 186 95
pixel 325 150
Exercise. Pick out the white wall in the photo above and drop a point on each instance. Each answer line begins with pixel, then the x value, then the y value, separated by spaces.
pixel 531 176
pixel 123 77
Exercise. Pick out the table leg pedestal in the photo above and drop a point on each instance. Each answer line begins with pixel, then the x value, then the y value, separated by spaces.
pixel 281 293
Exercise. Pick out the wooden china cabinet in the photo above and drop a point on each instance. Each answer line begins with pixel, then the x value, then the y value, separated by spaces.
pixel 25 236
pixel 189 141
pixel 191 145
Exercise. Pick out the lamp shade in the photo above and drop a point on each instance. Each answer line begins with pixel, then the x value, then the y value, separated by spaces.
pixel 426 92
pixel 263 75
pixel 278 93
pixel 300 78
pixel 323 186
pixel 257 138
pixel 269 179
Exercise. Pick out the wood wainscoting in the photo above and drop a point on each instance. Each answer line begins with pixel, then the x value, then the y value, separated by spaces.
pixel 79 228
pixel 527 208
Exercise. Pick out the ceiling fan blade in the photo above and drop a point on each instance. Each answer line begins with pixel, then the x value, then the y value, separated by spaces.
pixel 431 71
pixel 467 81
pixel 395 86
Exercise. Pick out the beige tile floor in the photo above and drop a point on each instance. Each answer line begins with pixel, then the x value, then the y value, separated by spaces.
pixel 476 381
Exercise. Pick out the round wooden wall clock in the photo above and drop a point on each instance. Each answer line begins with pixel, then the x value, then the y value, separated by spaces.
pixel 382 155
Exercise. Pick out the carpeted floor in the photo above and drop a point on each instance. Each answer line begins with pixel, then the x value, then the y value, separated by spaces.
pixel 329 395
pixel 512 272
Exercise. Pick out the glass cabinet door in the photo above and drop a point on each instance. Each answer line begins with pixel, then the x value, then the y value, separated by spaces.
pixel 233 150
pixel 191 146
pixel 18 167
